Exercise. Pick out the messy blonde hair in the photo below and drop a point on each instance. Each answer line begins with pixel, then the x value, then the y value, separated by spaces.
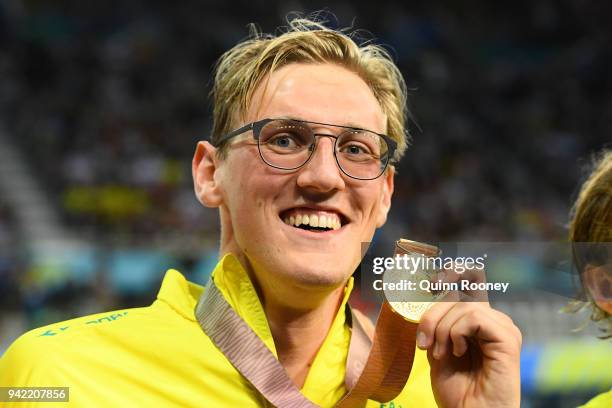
pixel 591 222
pixel 240 70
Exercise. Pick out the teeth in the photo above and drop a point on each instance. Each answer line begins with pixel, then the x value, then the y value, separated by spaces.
pixel 321 221
pixel 314 221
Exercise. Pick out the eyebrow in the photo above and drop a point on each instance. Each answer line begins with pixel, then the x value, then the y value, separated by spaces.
pixel 349 125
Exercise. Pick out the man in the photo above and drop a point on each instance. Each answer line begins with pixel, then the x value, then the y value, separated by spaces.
pixel 307 126
pixel 590 227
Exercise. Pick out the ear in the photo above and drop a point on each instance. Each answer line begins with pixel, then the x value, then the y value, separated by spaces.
pixel 598 281
pixel 385 198
pixel 204 167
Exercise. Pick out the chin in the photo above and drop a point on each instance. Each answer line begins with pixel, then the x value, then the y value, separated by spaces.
pixel 317 275
pixel 303 268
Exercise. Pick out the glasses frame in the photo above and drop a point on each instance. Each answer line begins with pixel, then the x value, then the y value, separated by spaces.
pixel 257 126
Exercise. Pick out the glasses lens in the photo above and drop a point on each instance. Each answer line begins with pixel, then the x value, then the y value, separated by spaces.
pixel 362 154
pixel 285 143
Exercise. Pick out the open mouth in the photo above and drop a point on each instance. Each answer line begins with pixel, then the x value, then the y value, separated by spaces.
pixel 313 220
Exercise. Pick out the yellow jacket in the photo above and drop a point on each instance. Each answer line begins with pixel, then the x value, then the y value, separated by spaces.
pixel 600 401
pixel 158 356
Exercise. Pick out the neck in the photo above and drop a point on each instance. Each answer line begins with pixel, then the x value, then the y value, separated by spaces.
pixel 298 334
pixel 299 319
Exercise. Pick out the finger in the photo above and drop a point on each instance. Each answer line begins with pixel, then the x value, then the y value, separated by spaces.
pixel 484 327
pixel 464 328
pixel 507 322
pixel 460 344
pixel 450 276
pixel 443 342
pixel 475 276
pixel 504 320
pixel 429 322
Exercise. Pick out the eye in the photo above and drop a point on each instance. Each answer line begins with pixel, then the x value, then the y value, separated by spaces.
pixel 354 149
pixel 285 137
pixel 360 145
pixel 283 141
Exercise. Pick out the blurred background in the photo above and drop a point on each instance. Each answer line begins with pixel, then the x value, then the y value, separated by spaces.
pixel 102 103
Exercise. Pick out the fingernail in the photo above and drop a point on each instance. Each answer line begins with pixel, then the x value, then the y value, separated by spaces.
pixel 436 351
pixel 421 340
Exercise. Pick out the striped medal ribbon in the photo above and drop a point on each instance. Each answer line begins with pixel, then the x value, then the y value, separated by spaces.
pixel 377 367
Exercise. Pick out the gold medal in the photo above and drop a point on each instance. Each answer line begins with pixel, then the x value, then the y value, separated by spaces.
pixel 412 304
pixel 411 311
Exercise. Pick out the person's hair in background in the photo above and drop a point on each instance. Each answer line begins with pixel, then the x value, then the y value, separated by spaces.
pixel 591 223
pixel 306 40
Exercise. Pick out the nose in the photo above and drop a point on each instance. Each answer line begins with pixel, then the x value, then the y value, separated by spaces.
pixel 322 173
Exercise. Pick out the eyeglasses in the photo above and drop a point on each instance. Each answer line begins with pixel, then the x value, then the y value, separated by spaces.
pixel 288 144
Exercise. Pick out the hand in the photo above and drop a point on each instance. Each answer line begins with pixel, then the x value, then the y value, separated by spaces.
pixel 474 354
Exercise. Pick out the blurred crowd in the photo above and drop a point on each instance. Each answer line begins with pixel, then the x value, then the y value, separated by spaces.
pixel 9 292
pixel 106 101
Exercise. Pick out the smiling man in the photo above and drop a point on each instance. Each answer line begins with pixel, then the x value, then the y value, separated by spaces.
pixel 307 126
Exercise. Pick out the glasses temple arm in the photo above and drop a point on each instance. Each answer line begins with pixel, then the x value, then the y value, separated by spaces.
pixel 234 133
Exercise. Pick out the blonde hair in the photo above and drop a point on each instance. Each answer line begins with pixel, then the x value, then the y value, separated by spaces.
pixel 591 221
pixel 240 70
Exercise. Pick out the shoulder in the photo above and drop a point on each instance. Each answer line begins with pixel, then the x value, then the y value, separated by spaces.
pixel 46 346
pixel 64 331
pixel 600 401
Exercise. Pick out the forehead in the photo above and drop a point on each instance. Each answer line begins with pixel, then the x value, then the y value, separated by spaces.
pixel 323 93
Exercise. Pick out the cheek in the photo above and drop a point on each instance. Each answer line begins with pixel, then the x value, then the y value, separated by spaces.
pixel 368 200
pixel 253 189
pixel 238 185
